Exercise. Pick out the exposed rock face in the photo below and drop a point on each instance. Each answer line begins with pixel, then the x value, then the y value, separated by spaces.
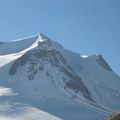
pixel 38 58
pixel 77 84
pixel 115 116
pixel 103 63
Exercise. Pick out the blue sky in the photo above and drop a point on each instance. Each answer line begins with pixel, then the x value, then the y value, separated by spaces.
pixel 84 26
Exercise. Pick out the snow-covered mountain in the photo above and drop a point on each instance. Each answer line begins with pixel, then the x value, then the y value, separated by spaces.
pixel 38 75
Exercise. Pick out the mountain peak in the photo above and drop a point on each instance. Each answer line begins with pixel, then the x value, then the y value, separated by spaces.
pixel 44 42
pixel 43 36
pixel 38 71
pixel 101 61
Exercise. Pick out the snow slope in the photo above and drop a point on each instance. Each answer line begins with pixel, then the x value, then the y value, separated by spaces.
pixel 55 83
pixel 17 46
pixel 21 111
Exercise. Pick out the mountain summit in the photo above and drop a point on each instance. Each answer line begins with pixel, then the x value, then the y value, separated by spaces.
pixel 37 74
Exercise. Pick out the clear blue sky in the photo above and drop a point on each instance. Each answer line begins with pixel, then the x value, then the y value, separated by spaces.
pixel 84 26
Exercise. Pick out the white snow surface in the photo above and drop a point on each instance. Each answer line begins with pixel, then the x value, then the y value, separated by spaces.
pixel 21 111
pixel 17 46
pixel 6 91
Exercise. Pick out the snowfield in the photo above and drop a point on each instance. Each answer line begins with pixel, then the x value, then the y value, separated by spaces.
pixel 18 111
pixel 41 80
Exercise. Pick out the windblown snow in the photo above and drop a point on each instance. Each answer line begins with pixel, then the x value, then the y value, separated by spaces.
pixel 41 80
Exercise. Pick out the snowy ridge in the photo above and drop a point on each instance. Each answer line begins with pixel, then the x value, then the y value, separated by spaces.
pixel 4 59
pixel 20 45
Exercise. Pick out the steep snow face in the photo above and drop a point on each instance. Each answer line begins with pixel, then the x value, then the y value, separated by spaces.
pixel 100 80
pixel 36 70
pixel 52 64
pixel 19 45
pixel 10 51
